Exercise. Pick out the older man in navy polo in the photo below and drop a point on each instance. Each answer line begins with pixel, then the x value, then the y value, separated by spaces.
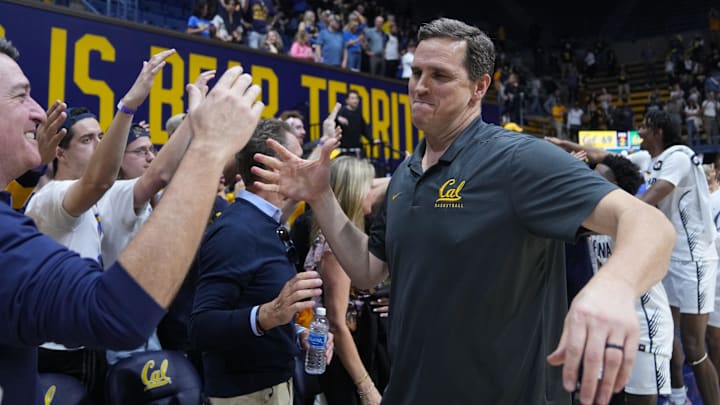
pixel 51 294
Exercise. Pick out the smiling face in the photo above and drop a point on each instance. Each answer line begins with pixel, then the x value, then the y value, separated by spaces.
pixel 19 115
pixel 441 93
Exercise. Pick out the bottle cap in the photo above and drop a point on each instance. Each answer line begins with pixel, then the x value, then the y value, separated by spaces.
pixel 320 311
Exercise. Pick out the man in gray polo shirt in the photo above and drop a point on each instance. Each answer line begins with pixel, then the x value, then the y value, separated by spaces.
pixel 375 49
pixel 472 238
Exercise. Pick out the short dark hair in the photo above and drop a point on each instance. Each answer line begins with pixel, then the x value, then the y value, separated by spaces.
pixel 355 92
pixel 479 51
pixel 660 119
pixel 7 48
pixel 266 129
pixel 627 174
pixel 291 114
pixel 72 114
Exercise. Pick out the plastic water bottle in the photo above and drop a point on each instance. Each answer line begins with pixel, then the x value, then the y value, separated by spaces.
pixel 315 356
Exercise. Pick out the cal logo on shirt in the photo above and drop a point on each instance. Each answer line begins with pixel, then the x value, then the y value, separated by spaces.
pixel 157 378
pixel 50 394
pixel 449 194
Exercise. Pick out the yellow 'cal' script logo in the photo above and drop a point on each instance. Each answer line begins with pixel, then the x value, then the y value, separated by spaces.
pixel 50 395
pixel 448 196
pixel 157 378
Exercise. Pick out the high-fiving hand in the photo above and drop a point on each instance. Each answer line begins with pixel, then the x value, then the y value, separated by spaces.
pixel 143 83
pixel 228 115
pixel 47 135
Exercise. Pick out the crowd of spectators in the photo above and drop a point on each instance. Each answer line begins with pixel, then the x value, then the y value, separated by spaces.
pixel 582 85
pixel 532 79
pixel 340 37
pixel 365 37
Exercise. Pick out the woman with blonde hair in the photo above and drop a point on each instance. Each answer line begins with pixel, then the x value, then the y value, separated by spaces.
pixel 348 379
pixel 309 24
pixel 301 48
pixel 273 42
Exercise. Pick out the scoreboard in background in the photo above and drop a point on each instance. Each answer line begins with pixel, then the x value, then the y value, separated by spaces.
pixel 613 141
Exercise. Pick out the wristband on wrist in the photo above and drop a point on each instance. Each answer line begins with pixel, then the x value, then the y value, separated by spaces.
pixel 125 109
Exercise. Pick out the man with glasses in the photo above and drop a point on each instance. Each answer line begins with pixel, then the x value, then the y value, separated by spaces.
pixel 141 178
pixel 139 153
pixel 121 220
pixel 248 290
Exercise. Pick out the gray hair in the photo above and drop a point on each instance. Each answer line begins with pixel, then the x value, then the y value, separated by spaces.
pixel 7 48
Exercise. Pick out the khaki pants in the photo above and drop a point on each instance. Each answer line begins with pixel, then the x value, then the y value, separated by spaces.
pixel 281 394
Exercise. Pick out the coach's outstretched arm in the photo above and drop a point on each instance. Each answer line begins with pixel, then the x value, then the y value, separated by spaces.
pixel 309 180
pixel 601 330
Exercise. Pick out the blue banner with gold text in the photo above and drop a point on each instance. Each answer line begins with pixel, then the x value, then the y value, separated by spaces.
pixel 89 60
